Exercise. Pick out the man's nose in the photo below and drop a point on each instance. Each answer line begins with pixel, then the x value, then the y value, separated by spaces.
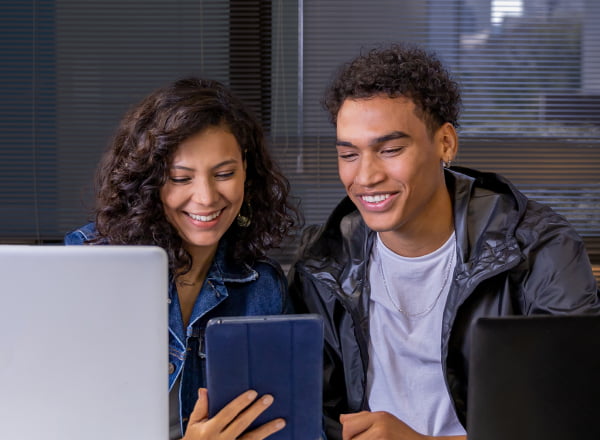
pixel 369 172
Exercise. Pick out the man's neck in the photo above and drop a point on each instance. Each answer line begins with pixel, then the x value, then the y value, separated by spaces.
pixel 409 245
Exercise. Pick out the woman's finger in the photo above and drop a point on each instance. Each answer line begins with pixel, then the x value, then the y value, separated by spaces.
pixel 200 411
pixel 265 430
pixel 244 419
pixel 233 409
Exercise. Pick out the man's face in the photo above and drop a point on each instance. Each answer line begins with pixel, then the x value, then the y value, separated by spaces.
pixel 391 167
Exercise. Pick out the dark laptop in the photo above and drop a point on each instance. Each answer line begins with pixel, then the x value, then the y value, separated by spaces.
pixel 535 378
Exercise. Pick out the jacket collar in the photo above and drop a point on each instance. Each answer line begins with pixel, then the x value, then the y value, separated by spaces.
pixel 223 270
pixel 226 270
pixel 487 208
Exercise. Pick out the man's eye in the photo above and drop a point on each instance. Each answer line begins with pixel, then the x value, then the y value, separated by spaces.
pixel 347 156
pixel 392 150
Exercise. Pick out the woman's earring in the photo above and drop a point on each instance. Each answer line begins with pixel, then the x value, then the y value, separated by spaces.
pixel 447 164
pixel 242 220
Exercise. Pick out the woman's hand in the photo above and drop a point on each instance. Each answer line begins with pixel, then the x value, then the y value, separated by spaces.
pixel 232 420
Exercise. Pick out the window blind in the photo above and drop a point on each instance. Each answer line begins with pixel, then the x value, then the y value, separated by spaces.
pixel 530 75
pixel 529 70
pixel 71 70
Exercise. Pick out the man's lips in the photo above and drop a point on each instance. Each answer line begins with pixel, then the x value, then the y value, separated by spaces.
pixel 376 198
pixel 376 202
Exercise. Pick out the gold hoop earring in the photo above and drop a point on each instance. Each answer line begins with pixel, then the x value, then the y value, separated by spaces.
pixel 242 220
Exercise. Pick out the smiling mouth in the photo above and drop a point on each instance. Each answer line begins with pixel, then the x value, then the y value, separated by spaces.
pixel 204 218
pixel 376 198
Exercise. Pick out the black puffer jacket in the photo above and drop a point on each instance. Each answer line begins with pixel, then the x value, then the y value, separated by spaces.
pixel 515 257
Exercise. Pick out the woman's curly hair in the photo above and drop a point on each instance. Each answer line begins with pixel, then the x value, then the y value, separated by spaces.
pixel 398 70
pixel 135 167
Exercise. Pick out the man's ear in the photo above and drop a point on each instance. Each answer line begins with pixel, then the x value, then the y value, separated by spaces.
pixel 448 140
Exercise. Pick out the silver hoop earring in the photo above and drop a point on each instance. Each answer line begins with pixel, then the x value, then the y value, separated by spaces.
pixel 446 164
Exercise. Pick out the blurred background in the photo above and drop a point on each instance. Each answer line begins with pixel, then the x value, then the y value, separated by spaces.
pixel 529 71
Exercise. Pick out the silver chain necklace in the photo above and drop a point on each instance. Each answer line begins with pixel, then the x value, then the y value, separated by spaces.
pixel 432 305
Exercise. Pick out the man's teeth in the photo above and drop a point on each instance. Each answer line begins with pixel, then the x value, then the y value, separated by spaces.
pixel 205 218
pixel 375 199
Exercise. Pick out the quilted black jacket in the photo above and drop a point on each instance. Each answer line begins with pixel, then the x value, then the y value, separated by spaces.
pixel 515 257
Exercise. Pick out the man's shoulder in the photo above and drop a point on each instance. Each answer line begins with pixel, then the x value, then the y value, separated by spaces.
pixel 532 223
pixel 344 229
pixel 541 221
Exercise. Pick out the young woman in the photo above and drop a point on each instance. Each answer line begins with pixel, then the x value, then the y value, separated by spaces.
pixel 189 171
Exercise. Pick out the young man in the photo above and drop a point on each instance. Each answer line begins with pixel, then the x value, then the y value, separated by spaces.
pixel 417 252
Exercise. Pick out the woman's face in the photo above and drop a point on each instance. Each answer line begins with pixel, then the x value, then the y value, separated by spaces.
pixel 205 188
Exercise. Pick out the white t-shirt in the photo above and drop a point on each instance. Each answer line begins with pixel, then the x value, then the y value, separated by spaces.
pixel 405 375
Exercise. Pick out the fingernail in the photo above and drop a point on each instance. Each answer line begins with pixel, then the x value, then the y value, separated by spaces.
pixel 251 395
pixel 280 424
pixel 267 400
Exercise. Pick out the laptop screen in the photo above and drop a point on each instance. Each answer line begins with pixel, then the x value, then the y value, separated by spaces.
pixel 535 378
pixel 83 343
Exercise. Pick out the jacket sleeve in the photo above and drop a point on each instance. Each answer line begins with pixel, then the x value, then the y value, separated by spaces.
pixel 74 238
pixel 556 276
pixel 80 235
pixel 304 293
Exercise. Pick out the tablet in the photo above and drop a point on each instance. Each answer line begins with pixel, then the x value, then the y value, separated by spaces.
pixel 281 355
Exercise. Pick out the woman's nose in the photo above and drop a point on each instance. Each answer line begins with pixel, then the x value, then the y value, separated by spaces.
pixel 204 192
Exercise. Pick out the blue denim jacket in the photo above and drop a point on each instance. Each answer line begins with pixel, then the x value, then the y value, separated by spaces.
pixel 230 289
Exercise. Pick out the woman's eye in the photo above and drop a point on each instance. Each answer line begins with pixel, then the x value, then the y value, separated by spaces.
pixel 179 179
pixel 225 174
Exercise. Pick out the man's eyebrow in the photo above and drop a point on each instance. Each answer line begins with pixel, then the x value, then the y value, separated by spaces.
pixel 378 140
pixel 388 137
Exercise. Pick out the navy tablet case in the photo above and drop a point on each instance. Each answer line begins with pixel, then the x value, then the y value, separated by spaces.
pixel 281 355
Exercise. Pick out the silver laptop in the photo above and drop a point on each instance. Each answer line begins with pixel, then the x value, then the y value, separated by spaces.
pixel 83 343
pixel 535 378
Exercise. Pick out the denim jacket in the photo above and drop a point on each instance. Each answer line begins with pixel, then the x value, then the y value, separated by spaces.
pixel 229 289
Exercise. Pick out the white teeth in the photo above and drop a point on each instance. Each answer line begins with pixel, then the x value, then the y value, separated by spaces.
pixel 375 199
pixel 205 218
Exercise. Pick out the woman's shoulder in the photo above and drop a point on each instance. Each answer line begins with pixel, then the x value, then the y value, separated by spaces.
pixel 81 235
pixel 270 268
pixel 274 283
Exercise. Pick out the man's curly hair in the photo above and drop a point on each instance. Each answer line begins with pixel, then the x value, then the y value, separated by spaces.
pixel 394 71
pixel 135 167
